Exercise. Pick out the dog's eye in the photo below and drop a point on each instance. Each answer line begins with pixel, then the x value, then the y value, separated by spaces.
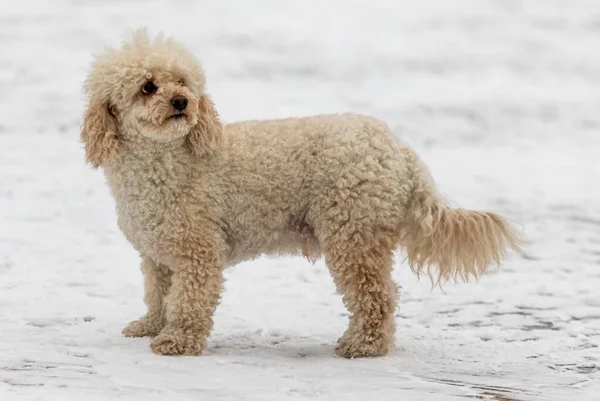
pixel 149 88
pixel 180 81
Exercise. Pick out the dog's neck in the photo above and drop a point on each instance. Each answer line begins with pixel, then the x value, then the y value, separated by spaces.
pixel 144 165
pixel 148 151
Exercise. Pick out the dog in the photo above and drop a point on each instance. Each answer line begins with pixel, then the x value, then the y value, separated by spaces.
pixel 195 196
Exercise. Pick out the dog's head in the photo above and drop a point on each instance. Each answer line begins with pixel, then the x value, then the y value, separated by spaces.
pixel 151 90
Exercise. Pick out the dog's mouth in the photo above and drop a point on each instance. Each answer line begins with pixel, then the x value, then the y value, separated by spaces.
pixel 177 116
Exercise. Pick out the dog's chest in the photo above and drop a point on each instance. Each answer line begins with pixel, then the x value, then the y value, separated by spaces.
pixel 141 217
pixel 146 200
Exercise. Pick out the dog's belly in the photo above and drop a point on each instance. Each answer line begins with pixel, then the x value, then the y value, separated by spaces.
pixel 283 234
pixel 276 243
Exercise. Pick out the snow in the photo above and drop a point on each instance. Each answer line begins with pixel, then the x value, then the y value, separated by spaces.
pixel 499 98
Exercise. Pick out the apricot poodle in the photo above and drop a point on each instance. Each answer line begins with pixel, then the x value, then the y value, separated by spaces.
pixel 195 196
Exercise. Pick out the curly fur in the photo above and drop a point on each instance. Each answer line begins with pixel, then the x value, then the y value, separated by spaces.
pixel 195 196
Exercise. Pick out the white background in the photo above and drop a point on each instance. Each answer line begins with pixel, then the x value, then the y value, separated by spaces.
pixel 500 98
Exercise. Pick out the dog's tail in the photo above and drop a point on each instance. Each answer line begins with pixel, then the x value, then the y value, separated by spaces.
pixel 459 243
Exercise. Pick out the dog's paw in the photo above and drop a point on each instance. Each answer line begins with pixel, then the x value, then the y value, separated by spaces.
pixel 142 328
pixel 178 342
pixel 360 346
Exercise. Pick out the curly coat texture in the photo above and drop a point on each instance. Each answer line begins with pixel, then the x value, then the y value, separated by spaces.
pixel 194 196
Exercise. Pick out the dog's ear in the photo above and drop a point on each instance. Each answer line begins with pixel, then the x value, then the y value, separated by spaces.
pixel 99 134
pixel 205 136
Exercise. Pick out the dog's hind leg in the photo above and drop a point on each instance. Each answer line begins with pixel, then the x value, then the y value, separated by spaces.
pixel 361 265
pixel 157 282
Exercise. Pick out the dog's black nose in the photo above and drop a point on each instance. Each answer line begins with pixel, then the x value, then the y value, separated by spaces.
pixel 179 102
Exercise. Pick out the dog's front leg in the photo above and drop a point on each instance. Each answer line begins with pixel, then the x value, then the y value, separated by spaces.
pixel 197 283
pixel 157 282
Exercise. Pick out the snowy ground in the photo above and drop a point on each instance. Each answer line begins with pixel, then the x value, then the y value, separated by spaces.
pixel 499 97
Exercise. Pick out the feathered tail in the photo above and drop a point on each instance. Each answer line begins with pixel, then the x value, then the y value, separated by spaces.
pixel 459 243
